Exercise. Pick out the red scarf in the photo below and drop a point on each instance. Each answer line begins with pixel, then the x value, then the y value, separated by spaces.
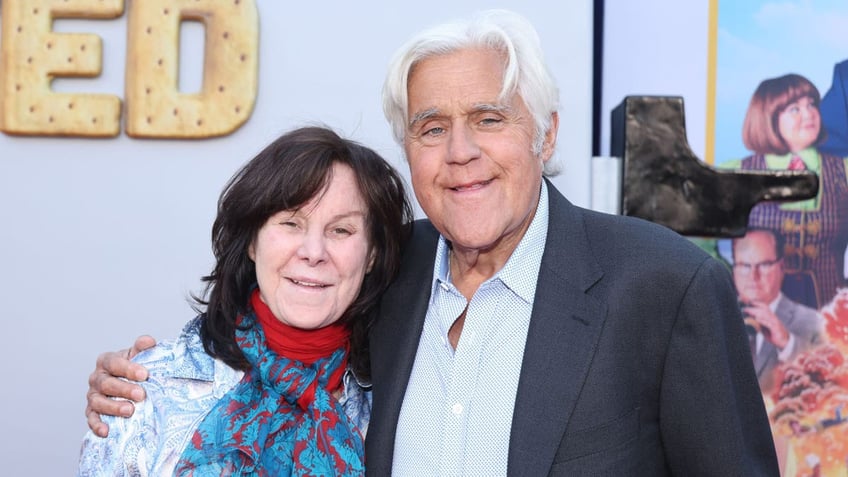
pixel 306 346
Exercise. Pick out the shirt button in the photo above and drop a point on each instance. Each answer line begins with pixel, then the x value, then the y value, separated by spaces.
pixel 457 409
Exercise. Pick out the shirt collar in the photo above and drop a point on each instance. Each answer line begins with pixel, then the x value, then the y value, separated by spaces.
pixel 524 261
pixel 810 156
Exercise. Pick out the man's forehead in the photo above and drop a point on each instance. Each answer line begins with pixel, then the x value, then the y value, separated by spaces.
pixel 752 252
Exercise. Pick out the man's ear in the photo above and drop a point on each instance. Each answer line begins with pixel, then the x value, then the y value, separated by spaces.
pixel 550 138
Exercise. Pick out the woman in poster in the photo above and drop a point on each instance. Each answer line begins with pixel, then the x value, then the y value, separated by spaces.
pixel 783 129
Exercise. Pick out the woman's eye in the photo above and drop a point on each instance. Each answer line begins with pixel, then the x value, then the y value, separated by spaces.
pixel 342 231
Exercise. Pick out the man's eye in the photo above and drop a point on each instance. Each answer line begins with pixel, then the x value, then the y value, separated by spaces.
pixel 434 131
pixel 490 121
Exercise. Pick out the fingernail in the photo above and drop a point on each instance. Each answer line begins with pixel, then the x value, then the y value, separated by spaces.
pixel 137 395
pixel 126 410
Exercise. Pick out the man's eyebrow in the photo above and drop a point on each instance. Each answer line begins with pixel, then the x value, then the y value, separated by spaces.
pixel 491 108
pixel 477 108
pixel 422 116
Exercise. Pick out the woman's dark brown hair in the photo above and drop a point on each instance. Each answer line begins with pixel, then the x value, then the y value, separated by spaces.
pixel 759 131
pixel 285 176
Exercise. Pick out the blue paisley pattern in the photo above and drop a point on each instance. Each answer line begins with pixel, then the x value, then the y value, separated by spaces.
pixel 184 385
pixel 278 421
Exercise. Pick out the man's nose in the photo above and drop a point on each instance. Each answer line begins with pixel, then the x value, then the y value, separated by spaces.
pixel 463 145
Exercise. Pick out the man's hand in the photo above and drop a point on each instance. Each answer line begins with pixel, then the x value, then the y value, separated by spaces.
pixel 105 382
pixel 770 325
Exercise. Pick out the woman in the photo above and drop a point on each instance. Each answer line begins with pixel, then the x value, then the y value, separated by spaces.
pixel 783 127
pixel 266 381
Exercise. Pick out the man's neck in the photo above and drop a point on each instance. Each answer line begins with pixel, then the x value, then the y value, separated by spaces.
pixel 469 269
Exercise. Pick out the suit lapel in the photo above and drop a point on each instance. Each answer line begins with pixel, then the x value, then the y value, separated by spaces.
pixel 562 338
pixel 785 311
pixel 766 358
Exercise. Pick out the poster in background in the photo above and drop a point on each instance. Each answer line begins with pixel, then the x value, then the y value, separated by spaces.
pixel 779 102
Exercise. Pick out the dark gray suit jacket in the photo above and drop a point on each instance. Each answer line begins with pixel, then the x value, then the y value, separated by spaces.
pixel 636 360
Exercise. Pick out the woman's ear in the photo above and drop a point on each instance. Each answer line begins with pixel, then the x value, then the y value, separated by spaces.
pixel 371 259
pixel 251 252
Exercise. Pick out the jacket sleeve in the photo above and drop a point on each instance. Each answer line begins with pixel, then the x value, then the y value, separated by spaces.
pixel 129 450
pixel 712 417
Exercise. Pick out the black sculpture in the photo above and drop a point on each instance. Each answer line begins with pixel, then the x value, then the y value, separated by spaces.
pixel 664 182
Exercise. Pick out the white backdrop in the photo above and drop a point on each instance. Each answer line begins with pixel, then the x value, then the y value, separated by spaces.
pixel 657 47
pixel 103 239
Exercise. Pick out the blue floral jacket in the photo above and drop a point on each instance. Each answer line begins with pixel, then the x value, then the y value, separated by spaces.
pixel 184 383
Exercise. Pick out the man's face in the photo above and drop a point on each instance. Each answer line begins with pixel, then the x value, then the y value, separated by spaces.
pixel 470 154
pixel 757 272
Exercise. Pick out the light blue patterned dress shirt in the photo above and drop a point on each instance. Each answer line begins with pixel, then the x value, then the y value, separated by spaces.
pixel 457 411
pixel 184 385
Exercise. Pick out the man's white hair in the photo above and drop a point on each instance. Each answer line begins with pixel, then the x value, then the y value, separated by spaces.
pixel 525 71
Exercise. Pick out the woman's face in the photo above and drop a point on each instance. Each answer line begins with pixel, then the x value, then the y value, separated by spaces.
pixel 310 263
pixel 799 124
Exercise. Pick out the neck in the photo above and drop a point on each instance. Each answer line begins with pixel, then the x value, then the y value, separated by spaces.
pixel 470 267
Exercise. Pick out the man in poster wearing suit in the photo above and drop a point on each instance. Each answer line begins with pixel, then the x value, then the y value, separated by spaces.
pixel 834 112
pixel 778 327
pixel 526 336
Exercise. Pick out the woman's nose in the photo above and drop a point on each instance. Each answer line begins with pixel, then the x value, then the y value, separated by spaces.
pixel 312 248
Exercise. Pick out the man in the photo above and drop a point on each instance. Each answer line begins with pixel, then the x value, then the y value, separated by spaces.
pixel 547 339
pixel 779 328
